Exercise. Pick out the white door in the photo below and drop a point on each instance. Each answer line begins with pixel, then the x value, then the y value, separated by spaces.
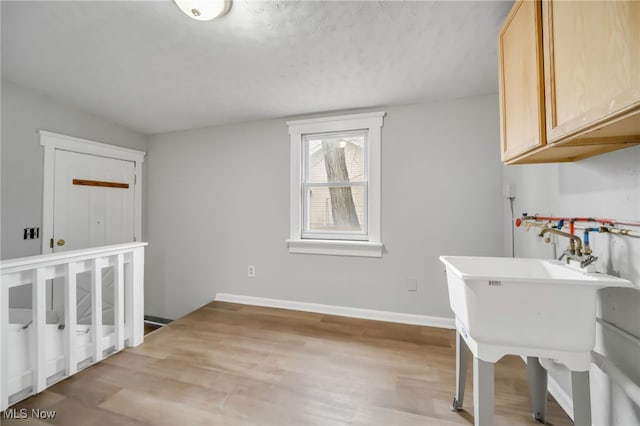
pixel 93 206
pixel 93 201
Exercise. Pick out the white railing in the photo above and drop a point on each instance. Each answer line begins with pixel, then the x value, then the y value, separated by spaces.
pixel 35 353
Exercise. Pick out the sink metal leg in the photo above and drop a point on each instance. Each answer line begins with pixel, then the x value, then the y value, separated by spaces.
pixel 483 392
pixel 462 356
pixel 537 388
pixel 581 398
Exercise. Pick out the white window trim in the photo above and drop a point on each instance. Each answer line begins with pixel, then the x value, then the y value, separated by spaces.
pixel 372 247
pixel 55 141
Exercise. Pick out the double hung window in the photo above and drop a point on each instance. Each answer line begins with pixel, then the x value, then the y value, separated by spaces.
pixel 335 185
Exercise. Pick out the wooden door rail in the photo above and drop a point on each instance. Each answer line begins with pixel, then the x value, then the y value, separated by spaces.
pixel 103 184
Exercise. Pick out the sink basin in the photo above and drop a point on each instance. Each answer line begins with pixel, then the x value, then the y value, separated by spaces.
pixel 528 307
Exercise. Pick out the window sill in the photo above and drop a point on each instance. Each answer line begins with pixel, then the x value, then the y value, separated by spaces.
pixel 336 247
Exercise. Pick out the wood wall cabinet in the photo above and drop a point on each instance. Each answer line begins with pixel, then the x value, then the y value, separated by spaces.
pixel 569 79
pixel 521 79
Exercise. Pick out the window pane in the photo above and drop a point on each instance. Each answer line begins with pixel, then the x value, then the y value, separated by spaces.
pixel 336 157
pixel 336 209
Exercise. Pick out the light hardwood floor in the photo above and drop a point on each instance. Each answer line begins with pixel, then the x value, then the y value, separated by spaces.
pixel 228 364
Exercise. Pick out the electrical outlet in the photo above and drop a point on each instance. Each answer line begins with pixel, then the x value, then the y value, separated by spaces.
pixel 412 284
pixel 251 271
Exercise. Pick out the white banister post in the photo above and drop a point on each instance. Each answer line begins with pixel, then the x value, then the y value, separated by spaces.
pixel 135 298
pixel 4 349
pixel 70 319
pixel 96 309
pixel 118 305
pixel 39 312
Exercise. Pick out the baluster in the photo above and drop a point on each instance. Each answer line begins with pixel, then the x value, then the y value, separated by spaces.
pixel 96 309
pixel 128 310
pixel 70 319
pixel 134 301
pixel 118 302
pixel 4 347
pixel 38 339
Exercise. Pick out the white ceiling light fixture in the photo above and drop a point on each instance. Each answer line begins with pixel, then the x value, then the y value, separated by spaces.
pixel 204 10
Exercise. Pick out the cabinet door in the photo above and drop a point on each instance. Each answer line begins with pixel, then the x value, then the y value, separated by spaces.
pixel 592 63
pixel 521 78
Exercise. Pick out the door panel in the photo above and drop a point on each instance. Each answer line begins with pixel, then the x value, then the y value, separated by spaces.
pixel 92 216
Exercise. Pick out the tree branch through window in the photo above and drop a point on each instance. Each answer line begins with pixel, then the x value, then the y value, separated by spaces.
pixel 343 208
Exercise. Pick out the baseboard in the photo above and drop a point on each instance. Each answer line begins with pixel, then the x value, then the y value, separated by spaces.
pixel 159 321
pixel 342 311
pixel 564 400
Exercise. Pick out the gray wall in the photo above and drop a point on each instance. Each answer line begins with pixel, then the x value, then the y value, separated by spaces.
pixel 603 186
pixel 218 201
pixel 23 114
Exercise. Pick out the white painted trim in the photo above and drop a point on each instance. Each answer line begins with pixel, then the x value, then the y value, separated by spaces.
pixel 374 162
pixel 55 141
pixel 295 187
pixel 336 247
pixel 86 146
pixel 342 311
pixel 307 121
pixel 373 122
pixel 563 398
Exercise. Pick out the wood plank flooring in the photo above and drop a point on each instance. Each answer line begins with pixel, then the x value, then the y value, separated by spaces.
pixel 229 364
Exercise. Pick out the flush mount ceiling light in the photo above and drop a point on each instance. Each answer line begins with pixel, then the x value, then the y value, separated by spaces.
pixel 204 10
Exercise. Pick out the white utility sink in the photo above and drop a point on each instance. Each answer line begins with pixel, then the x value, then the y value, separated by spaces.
pixel 527 307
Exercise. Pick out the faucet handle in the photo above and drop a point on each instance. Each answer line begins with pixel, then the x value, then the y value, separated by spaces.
pixel 588 261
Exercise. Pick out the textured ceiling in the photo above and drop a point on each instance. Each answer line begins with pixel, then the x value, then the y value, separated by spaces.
pixel 146 66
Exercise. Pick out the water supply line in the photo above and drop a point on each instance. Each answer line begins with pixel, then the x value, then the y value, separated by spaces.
pixel 528 222
pixel 582 219
pixel 626 232
pixel 578 250
pixel 585 239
